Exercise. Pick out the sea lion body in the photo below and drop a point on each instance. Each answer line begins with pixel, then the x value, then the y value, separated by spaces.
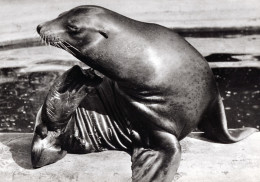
pixel 157 89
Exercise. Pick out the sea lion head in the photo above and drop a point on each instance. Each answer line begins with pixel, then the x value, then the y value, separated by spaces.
pixel 75 30
pixel 106 41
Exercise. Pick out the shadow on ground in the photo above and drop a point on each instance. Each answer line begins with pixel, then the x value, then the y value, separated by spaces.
pixel 19 146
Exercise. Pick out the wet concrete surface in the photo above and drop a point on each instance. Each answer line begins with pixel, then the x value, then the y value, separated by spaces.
pixel 201 160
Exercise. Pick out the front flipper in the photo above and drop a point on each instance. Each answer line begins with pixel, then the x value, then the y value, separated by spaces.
pixel 66 94
pixel 46 145
pixel 46 151
pixel 159 162
pixel 60 105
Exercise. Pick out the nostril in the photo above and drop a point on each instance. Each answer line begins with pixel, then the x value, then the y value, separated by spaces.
pixel 38 28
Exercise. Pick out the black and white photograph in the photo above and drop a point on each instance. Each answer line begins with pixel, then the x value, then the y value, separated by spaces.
pixel 129 91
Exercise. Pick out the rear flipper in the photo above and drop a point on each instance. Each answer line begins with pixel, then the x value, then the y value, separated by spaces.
pixel 157 162
pixel 214 124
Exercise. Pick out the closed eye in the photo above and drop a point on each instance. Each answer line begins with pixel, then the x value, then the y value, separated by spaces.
pixel 73 28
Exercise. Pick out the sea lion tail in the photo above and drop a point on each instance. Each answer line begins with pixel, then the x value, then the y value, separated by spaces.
pixel 215 125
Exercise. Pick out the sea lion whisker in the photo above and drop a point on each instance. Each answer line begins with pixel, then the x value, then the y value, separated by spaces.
pixel 56 44
pixel 41 36
pixel 62 46
pixel 71 46
pixel 46 43
pixel 66 48
pixel 56 40
pixel 44 40
pixel 47 40
pixel 35 34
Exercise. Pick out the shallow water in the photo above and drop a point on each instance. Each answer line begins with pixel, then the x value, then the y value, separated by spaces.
pixel 21 97
pixel 23 89
pixel 240 90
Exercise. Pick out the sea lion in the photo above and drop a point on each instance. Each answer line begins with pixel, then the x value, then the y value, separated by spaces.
pixel 156 89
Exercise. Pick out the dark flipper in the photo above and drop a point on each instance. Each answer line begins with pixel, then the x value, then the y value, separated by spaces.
pixel 57 111
pixel 46 146
pixel 66 94
pixel 159 162
pixel 214 124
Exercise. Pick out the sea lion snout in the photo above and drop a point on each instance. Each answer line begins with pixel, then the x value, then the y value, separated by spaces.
pixel 39 28
pixel 42 30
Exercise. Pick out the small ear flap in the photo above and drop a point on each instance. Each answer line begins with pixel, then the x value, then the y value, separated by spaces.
pixel 103 33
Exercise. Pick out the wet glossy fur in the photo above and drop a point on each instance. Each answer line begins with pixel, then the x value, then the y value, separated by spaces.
pixel 157 88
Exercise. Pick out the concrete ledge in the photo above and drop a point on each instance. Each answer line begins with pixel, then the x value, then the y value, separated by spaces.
pixel 201 161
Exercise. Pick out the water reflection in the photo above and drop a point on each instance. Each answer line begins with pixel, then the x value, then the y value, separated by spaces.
pixel 240 90
pixel 21 95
